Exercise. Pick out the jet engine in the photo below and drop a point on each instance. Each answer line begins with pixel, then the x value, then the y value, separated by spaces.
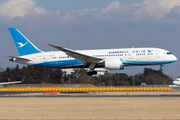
pixel 114 64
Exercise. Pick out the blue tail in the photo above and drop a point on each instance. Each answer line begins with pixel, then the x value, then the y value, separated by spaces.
pixel 24 46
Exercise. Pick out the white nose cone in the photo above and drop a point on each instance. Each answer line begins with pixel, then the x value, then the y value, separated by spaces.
pixel 174 58
pixel 174 82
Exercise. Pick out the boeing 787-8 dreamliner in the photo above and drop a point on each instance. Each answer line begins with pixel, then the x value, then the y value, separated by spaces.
pixel 111 59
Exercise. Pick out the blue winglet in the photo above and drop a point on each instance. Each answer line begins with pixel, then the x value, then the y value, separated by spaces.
pixel 24 46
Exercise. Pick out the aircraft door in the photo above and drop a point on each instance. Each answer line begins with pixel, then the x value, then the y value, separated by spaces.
pixel 45 58
pixel 157 55
pixel 130 56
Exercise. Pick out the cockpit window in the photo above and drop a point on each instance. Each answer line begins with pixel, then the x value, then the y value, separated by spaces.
pixel 169 53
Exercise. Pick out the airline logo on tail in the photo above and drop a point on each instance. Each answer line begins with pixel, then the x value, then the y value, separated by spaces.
pixel 21 44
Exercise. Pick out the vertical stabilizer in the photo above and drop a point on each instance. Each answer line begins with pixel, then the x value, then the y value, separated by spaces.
pixel 24 46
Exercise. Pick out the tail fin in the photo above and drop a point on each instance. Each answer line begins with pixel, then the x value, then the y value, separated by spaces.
pixel 24 46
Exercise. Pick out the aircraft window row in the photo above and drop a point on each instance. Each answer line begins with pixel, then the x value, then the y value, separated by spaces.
pixel 141 54
pixel 62 57
pixel 97 56
pixel 107 55
pixel 169 53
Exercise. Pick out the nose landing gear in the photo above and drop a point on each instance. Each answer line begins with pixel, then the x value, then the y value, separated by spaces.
pixel 161 69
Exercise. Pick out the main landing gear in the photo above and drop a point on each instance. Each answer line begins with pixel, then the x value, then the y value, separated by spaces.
pixel 162 65
pixel 90 73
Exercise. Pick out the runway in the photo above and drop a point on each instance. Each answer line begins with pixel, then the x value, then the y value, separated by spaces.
pixel 87 105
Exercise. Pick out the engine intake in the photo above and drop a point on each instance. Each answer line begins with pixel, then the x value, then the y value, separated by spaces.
pixel 114 64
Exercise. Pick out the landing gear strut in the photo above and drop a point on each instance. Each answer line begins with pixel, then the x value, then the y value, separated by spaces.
pixel 162 65
pixel 90 73
pixel 161 69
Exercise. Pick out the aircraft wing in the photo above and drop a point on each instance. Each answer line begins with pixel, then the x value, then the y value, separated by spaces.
pixel 82 57
pixel 5 83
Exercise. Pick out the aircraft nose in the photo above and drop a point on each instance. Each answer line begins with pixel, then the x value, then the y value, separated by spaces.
pixel 174 58
pixel 173 82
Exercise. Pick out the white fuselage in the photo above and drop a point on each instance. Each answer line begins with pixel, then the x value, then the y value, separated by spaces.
pixel 129 57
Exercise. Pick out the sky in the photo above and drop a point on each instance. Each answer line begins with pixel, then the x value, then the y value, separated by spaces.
pixel 93 24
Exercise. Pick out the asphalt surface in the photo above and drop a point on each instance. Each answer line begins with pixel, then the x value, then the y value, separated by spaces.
pixel 41 96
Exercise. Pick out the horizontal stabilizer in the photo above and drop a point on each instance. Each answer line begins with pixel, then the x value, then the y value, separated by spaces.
pixel 19 58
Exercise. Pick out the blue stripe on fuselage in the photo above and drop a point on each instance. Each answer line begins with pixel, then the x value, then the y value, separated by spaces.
pixel 127 62
pixel 60 64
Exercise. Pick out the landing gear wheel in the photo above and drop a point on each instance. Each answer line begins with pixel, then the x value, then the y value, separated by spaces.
pixel 91 73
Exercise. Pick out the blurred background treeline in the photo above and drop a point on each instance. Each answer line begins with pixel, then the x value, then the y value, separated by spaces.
pixel 38 75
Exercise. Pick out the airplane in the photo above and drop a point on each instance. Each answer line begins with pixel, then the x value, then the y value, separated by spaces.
pixel 177 81
pixel 110 59
pixel 15 82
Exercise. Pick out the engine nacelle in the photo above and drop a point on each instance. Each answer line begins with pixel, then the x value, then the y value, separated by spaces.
pixel 114 64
